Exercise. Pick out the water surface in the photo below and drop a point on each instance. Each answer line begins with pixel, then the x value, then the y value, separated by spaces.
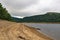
pixel 52 30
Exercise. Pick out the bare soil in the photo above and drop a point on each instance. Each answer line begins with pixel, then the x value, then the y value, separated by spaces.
pixel 19 31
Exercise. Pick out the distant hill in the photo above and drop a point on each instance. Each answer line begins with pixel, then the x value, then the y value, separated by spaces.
pixel 16 19
pixel 48 17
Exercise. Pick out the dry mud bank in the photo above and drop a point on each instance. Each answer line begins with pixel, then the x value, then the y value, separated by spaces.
pixel 19 31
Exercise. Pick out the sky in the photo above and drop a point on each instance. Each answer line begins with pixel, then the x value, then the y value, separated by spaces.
pixel 22 8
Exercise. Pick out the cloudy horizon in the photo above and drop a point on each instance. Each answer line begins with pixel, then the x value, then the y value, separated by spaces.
pixel 30 7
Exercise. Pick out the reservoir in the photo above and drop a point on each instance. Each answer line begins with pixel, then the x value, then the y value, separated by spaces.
pixel 52 30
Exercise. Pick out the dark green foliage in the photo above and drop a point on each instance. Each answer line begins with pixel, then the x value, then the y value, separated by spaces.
pixel 17 19
pixel 4 13
pixel 48 17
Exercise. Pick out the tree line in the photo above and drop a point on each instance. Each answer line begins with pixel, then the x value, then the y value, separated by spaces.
pixel 4 13
pixel 48 17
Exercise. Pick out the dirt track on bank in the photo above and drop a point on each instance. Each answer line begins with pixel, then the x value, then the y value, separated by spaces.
pixel 18 31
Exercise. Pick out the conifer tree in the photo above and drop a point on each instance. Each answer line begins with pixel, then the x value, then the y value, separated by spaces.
pixel 4 13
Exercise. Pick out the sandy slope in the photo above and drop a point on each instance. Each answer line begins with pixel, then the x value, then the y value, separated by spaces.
pixel 18 31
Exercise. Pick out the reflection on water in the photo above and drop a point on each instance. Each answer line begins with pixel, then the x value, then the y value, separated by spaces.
pixel 52 30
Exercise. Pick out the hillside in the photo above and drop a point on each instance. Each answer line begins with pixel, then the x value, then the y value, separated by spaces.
pixel 48 17
pixel 18 31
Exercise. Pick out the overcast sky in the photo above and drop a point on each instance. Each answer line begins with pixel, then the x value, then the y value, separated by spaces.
pixel 30 7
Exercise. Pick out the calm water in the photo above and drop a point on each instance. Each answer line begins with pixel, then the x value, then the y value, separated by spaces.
pixel 52 30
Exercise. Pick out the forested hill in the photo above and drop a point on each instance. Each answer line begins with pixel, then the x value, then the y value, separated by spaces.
pixel 48 17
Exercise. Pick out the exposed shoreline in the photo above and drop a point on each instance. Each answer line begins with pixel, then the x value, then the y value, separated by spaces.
pixel 19 31
pixel 43 22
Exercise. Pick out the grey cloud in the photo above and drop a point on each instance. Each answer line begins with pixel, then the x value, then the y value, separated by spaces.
pixel 14 6
pixel 22 14
pixel 19 4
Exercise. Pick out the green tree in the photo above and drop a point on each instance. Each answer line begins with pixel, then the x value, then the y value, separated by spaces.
pixel 4 13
